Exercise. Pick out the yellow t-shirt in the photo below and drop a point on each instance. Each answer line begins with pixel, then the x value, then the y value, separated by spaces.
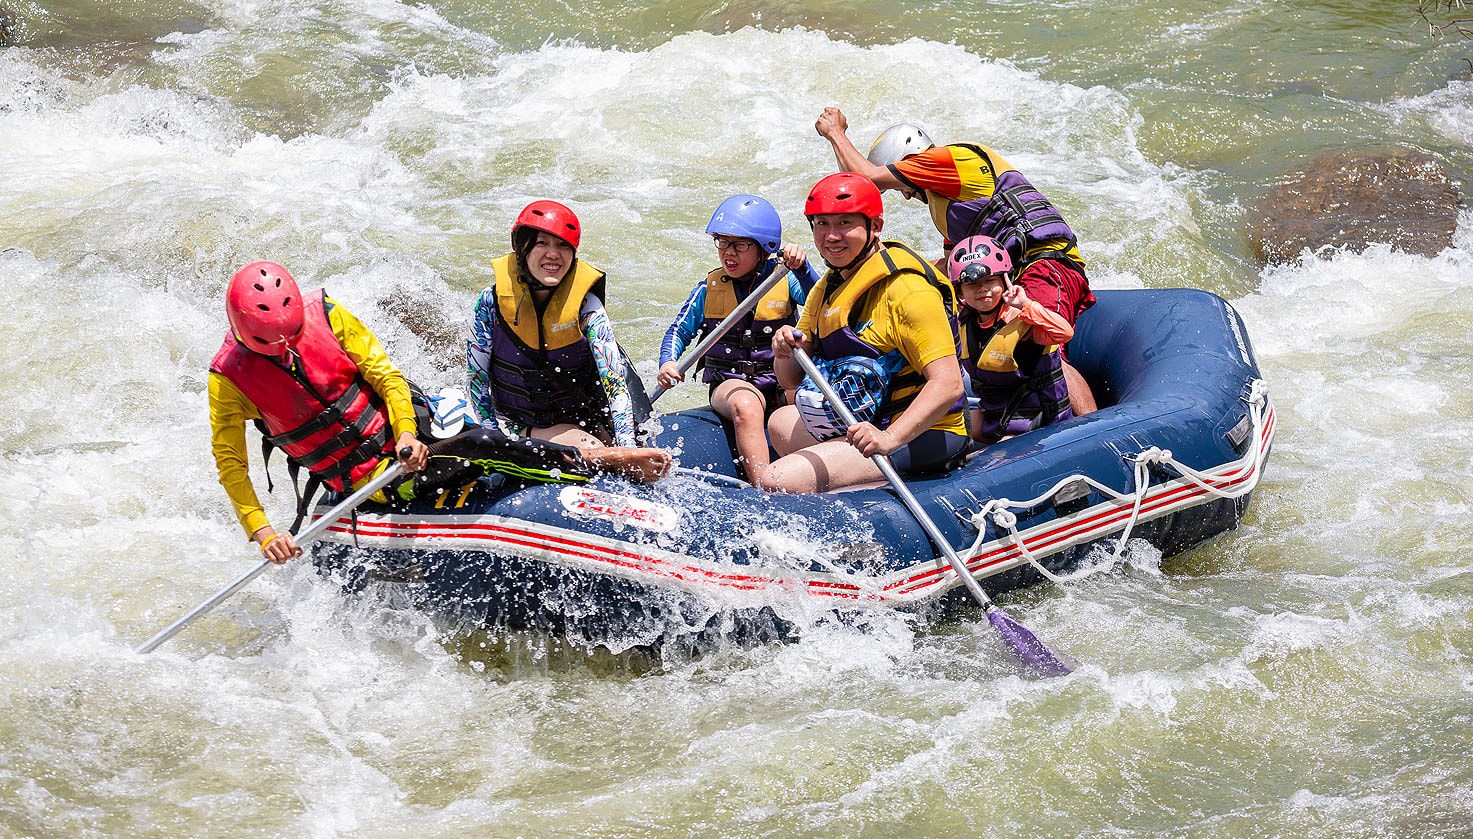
pixel 230 410
pixel 905 313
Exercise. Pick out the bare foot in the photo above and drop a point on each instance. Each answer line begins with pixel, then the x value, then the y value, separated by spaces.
pixel 643 465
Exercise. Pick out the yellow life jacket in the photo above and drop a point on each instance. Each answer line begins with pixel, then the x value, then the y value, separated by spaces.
pixel 745 351
pixel 999 355
pixel 721 300
pixel 542 368
pixel 558 326
pixel 837 304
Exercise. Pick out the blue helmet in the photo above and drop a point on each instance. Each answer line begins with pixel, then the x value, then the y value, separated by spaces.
pixel 749 217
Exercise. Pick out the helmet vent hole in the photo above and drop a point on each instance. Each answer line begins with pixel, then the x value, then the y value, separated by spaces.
pixel 263 307
pixel 260 287
pixel 286 301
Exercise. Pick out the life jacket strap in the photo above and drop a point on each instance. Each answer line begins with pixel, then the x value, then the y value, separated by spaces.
pixel 330 415
pixel 750 369
pixel 1012 211
pixel 343 438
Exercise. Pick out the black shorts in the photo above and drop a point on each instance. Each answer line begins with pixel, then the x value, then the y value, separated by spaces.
pixel 932 451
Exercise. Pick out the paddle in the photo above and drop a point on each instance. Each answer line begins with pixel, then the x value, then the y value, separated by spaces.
pixel 747 304
pixel 312 531
pixel 1023 644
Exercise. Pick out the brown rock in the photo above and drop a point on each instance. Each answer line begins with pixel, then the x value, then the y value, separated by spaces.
pixel 7 26
pixel 442 330
pixel 1353 199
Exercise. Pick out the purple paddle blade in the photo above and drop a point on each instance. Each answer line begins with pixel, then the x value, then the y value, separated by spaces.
pixel 1037 659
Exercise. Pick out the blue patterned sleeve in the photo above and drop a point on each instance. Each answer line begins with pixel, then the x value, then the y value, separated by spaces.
pixel 610 363
pixel 478 356
pixel 687 324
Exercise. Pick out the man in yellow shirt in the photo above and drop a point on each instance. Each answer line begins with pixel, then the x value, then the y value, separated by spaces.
pixel 882 305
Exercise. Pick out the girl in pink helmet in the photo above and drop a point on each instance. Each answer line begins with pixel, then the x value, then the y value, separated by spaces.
pixel 1009 345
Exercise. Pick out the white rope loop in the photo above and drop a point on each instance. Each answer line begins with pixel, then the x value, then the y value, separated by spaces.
pixel 1005 520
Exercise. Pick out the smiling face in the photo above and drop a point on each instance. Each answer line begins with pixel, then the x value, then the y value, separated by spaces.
pixel 549 260
pixel 841 238
pixel 739 256
pixel 984 294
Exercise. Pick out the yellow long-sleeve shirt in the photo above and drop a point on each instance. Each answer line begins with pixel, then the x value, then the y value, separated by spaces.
pixel 230 410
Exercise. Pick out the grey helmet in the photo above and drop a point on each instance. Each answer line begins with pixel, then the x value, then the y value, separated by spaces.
pixel 897 143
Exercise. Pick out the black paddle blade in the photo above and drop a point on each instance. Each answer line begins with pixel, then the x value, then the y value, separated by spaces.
pixel 1038 660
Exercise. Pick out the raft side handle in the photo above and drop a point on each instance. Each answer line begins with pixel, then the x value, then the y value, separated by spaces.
pixel 963 517
pixel 1239 435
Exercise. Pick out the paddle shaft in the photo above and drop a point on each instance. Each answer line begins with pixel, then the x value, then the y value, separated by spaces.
pixel 746 305
pixel 310 532
pixel 888 470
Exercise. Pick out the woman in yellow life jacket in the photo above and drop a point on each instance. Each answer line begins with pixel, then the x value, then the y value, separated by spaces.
pixel 882 304
pixel 542 360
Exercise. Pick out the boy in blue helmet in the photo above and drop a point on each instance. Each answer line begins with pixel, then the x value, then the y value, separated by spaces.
pixel 744 389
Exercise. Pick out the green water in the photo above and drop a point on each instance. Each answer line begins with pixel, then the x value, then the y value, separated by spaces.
pixel 1306 675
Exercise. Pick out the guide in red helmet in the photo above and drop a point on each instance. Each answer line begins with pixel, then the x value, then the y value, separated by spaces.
pixel 881 321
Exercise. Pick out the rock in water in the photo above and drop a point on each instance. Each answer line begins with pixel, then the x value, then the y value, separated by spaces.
pixel 1353 199
pixel 7 26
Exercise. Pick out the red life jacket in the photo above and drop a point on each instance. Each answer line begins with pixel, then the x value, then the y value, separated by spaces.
pixel 319 410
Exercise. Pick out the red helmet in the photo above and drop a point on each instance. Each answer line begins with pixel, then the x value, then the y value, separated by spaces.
pixel 976 257
pixel 549 217
pixel 265 308
pixel 845 192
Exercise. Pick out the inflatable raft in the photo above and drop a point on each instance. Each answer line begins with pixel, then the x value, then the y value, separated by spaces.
pixel 1171 458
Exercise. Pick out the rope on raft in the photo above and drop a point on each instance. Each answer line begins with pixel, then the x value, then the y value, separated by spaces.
pixel 1004 519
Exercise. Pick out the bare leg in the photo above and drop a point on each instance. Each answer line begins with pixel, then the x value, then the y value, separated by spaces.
pixel 742 403
pixel 787 431
pixel 1081 398
pixel 637 464
pixel 831 464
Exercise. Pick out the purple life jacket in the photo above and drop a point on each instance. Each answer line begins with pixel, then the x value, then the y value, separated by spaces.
pixel 1019 383
pixel 1016 214
pixel 745 351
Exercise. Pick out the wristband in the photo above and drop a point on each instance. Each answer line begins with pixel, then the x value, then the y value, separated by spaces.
pixel 269 539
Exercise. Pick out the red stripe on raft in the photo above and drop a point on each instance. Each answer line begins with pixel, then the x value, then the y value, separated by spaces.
pixel 1089 528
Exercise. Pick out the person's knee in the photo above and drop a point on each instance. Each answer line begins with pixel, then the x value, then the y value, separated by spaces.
pixel 747 407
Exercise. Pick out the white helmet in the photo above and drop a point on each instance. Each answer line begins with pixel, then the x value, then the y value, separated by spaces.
pixel 897 143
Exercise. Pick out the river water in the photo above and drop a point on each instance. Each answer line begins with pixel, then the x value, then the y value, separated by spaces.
pixel 1306 675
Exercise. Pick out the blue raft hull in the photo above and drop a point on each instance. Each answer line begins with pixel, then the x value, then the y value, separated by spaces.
pixel 1173 459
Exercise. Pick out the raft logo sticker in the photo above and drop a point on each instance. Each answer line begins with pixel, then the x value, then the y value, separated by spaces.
pixel 584 503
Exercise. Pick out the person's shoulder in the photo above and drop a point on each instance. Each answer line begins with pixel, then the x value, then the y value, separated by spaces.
pixel 908 283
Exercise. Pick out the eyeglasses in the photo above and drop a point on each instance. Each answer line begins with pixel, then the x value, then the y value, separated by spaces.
pixel 733 245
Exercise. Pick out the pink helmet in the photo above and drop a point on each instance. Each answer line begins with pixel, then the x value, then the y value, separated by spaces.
pixel 976 257
pixel 265 308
